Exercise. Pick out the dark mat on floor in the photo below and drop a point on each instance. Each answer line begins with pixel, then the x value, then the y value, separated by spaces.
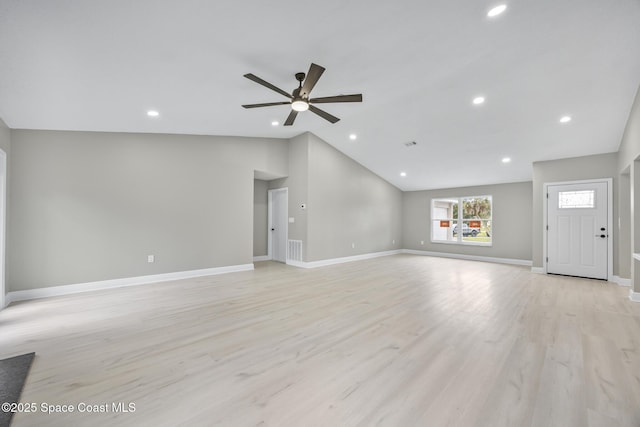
pixel 13 373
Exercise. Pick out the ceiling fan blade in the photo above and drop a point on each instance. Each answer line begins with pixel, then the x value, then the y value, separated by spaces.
pixel 323 114
pixel 269 104
pixel 267 84
pixel 315 71
pixel 291 118
pixel 338 98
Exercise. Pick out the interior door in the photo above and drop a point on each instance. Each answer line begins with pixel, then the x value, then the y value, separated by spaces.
pixel 278 213
pixel 577 234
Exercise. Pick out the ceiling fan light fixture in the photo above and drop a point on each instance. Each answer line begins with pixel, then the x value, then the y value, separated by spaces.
pixel 300 105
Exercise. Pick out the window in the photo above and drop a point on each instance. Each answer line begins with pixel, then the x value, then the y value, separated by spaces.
pixel 462 220
pixel 576 199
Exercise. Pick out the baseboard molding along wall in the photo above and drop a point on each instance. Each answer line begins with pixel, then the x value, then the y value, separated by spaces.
pixel 332 261
pixel 621 281
pixel 119 283
pixel 470 257
pixel 634 296
pixel 155 278
pixel 326 262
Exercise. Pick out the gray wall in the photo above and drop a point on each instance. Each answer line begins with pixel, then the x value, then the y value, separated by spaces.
pixel 91 206
pixel 260 217
pixel 634 230
pixel 5 145
pixel 345 203
pixel 511 219
pixel 624 229
pixel 348 204
pixel 573 169
pixel 629 195
pixel 5 137
pixel 629 148
pixel 297 184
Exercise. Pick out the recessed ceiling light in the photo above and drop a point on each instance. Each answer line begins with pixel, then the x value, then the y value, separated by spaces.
pixel 565 119
pixel 152 113
pixel 497 10
pixel 478 100
pixel 353 137
pixel 506 159
pixel 275 123
pixel 403 174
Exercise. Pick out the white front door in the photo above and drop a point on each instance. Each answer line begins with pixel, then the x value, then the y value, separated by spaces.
pixel 577 229
pixel 278 214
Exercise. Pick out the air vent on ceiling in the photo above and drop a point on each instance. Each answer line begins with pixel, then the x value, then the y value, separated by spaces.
pixel 410 144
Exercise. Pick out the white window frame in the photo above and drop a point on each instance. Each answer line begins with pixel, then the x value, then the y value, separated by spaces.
pixel 460 221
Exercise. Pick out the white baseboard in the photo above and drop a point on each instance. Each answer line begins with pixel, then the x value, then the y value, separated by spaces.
pixel 261 258
pixel 634 296
pixel 538 270
pixel 300 264
pixel 469 257
pixel 332 261
pixel 118 283
pixel 620 281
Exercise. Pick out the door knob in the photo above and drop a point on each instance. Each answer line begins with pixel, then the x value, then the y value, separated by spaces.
pixel 273 229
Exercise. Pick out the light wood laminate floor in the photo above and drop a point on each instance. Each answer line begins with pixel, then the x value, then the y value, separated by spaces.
pixel 395 341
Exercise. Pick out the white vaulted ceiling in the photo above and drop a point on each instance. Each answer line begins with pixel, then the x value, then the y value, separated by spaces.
pixel 100 66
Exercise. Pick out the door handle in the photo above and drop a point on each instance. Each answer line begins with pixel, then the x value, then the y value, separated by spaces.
pixel 273 229
pixel 602 236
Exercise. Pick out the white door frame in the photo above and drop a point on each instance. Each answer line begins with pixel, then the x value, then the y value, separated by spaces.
pixel 270 220
pixel 3 224
pixel 545 220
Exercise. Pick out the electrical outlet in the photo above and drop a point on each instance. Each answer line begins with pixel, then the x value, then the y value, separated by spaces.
pixel 151 258
pixel 393 242
pixel 353 245
pixel 422 242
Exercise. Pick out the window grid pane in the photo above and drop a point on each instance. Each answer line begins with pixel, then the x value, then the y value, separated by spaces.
pixel 478 231
pixel 443 230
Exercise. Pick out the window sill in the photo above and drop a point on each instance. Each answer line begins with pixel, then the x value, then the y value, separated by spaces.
pixel 463 243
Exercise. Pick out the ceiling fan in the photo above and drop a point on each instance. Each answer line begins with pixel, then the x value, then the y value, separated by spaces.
pixel 299 98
